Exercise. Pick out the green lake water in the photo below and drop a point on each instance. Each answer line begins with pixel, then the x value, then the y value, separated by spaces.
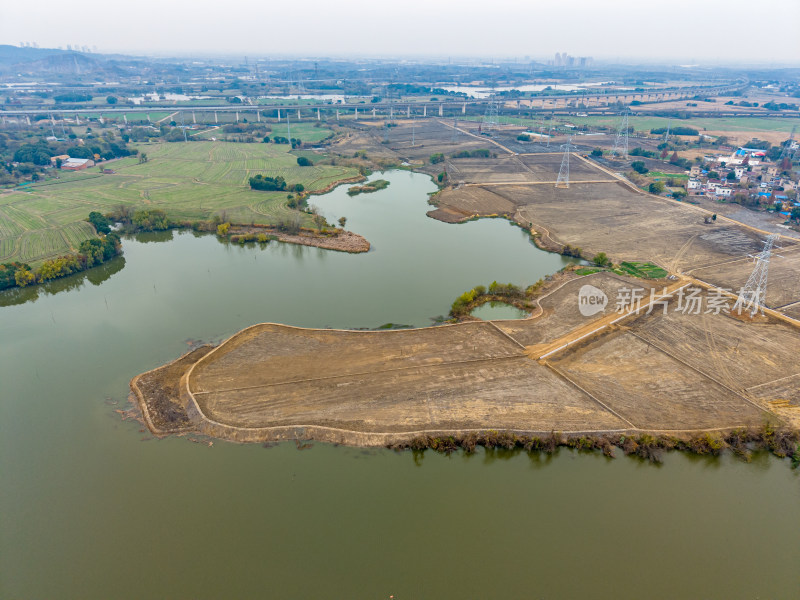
pixel 93 507
pixel 497 311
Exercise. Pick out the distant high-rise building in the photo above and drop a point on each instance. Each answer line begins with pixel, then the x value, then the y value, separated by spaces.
pixel 562 59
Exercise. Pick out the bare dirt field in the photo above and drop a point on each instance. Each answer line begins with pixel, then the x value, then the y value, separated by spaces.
pixel 758 219
pixel 783 284
pixel 648 387
pixel 560 312
pixel 459 377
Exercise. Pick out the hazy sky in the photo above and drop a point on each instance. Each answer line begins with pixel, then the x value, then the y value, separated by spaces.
pixel 705 30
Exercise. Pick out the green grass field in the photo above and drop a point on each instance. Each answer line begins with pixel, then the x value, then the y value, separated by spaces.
pixel 303 130
pixel 191 182
pixel 660 175
pixel 701 124
pixel 644 270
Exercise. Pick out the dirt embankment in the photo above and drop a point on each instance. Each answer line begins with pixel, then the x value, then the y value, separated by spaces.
pixel 340 240
pixel 158 395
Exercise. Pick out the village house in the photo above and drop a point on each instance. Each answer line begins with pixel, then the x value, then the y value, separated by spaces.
pixel 54 159
pixel 724 192
pixel 76 164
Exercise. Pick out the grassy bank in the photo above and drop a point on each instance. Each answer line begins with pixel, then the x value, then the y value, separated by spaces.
pixel 190 182
pixel 372 186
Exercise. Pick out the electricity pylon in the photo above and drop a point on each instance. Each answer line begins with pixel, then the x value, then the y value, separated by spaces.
pixel 753 294
pixel 563 172
pixel 621 143
pixel 491 119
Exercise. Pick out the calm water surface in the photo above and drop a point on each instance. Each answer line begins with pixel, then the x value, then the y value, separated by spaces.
pixel 94 507
pixel 498 310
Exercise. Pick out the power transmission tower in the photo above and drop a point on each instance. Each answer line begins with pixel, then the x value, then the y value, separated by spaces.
pixel 787 147
pixel 752 295
pixel 563 172
pixel 491 119
pixel 666 136
pixel 183 125
pixel 621 143
pixel 455 130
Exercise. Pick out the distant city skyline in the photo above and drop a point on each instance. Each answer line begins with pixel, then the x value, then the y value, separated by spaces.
pixel 714 31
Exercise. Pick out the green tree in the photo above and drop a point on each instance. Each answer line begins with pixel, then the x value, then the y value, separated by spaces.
pixel 436 158
pixel 656 187
pixel 597 152
pixel 111 99
pixel 601 260
pixel 302 161
pixel 79 152
pixel 342 222
pixel 153 219
pixel 100 222
pixel 639 167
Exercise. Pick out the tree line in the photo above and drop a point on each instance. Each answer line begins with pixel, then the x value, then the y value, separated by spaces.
pixel 90 253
